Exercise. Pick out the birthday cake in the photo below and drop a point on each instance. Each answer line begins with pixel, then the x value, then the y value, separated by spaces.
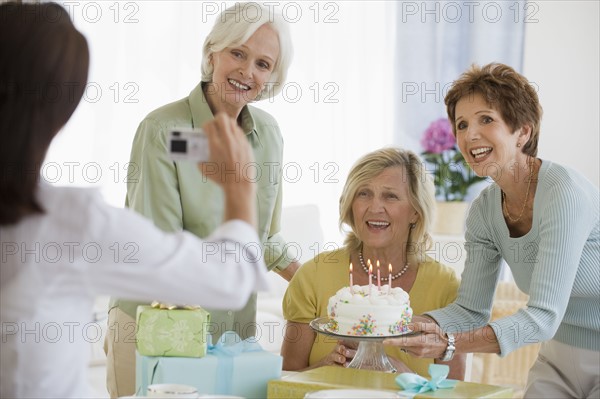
pixel 369 311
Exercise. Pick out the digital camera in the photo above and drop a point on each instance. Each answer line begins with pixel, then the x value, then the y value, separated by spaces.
pixel 188 145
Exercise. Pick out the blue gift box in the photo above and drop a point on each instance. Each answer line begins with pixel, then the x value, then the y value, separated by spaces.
pixel 232 367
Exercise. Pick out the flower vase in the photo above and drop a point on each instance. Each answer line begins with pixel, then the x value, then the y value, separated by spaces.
pixel 450 218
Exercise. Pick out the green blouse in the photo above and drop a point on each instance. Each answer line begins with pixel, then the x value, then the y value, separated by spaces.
pixel 176 196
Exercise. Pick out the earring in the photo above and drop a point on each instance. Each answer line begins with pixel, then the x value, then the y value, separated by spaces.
pixel 412 225
pixel 518 145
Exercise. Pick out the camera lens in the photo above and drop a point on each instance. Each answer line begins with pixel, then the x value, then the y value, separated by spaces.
pixel 179 146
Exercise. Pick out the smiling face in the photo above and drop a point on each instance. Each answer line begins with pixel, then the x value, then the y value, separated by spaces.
pixel 484 139
pixel 382 210
pixel 240 72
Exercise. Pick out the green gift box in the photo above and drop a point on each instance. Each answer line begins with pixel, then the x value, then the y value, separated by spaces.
pixel 172 332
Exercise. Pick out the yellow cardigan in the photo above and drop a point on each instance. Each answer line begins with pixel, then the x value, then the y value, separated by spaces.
pixel 316 281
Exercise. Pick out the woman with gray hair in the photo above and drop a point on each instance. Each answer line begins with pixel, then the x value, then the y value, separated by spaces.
pixel 245 58
pixel 388 204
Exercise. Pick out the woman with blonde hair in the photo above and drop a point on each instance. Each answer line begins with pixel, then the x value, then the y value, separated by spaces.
pixel 387 204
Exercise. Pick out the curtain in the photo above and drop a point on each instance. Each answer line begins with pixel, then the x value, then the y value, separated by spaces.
pixel 438 40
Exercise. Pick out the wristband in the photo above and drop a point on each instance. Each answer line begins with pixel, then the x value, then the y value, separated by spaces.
pixel 449 354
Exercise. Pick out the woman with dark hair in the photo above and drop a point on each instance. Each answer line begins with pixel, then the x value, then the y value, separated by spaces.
pixel 542 219
pixel 60 246
pixel 35 85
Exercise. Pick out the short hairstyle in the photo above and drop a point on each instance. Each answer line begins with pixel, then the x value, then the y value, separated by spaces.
pixel 506 91
pixel 420 188
pixel 43 75
pixel 234 26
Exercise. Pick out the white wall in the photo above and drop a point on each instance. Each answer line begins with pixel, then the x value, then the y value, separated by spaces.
pixel 561 57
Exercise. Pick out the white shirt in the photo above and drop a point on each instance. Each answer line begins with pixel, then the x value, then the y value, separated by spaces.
pixel 53 265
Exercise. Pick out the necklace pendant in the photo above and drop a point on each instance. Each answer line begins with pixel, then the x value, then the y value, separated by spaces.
pixel 505 207
pixel 393 276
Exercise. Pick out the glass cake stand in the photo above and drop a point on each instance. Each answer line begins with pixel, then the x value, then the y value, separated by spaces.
pixel 369 355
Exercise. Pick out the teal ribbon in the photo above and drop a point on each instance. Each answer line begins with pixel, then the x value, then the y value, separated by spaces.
pixel 230 345
pixel 414 383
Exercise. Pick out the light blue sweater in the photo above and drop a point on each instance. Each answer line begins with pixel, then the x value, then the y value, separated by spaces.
pixel 557 263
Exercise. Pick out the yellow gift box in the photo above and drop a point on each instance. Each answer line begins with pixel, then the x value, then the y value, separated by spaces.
pixel 332 377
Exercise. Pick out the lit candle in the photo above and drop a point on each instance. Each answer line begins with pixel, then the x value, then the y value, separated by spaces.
pixel 370 274
pixel 390 278
pixel 378 278
pixel 351 281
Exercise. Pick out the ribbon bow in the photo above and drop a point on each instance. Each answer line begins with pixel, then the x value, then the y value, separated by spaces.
pixel 227 347
pixel 171 306
pixel 414 383
pixel 230 344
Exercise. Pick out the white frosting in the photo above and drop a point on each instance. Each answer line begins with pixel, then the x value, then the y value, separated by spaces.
pixel 369 311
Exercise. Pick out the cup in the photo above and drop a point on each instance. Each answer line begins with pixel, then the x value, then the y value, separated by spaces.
pixel 172 391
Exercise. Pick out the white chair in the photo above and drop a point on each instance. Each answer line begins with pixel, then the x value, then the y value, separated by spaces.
pixel 301 228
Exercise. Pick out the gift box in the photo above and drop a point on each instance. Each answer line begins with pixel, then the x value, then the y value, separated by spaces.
pixel 172 332
pixel 231 367
pixel 333 377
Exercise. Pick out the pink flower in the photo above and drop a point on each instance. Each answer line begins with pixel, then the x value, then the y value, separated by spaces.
pixel 438 137
pixel 451 174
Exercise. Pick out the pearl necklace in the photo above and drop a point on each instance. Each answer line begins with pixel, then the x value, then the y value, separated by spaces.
pixel 366 269
pixel 531 169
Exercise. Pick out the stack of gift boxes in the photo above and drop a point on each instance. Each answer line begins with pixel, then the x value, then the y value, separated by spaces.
pixel 172 347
